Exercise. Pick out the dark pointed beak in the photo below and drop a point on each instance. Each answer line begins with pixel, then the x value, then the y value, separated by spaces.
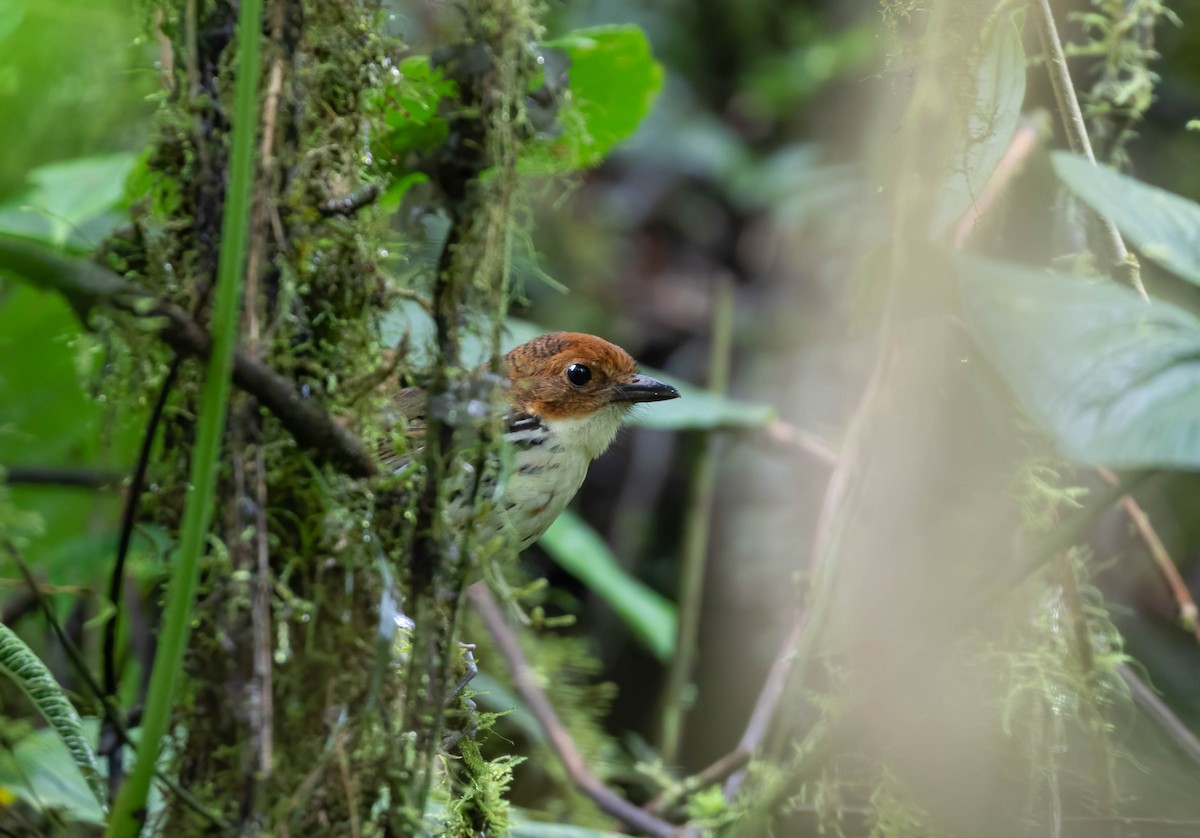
pixel 643 388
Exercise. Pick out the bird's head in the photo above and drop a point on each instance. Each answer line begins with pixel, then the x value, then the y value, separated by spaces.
pixel 581 384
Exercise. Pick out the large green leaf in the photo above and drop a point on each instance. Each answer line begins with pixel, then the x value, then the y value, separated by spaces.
pixel 1163 226
pixel 1115 380
pixel 995 112
pixel 73 200
pixel 580 550
pixel 614 80
pixel 38 769
pixel 48 417
pixel 12 12
pixel 26 670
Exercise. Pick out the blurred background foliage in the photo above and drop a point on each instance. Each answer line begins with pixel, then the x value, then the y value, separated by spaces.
pixel 757 168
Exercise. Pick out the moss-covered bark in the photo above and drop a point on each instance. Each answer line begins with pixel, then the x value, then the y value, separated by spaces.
pixel 298 715
pixel 275 725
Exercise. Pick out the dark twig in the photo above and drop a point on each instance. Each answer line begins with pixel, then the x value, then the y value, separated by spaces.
pixel 526 684
pixel 87 285
pixel 65 477
pixel 1188 612
pixel 116 580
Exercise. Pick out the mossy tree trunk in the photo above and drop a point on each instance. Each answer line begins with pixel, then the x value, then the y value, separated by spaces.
pixel 290 717
pixel 273 726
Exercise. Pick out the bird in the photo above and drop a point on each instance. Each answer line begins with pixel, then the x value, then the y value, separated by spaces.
pixel 567 394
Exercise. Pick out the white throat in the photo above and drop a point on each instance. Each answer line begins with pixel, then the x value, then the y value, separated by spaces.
pixel 589 435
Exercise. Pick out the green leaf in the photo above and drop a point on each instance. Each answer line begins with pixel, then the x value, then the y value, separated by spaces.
pixel 524 828
pixel 579 550
pixel 12 12
pixel 411 104
pixel 1113 379
pixel 50 417
pixel 26 670
pixel 38 769
pixel 1163 226
pixel 995 113
pixel 697 409
pixel 614 80
pixel 73 199
pixel 497 698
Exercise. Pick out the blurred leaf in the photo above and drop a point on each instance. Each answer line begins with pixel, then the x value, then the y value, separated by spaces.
pixel 39 770
pixel 74 198
pixel 27 671
pixel 389 201
pixel 781 82
pixel 523 828
pixel 1164 226
pixel 996 111
pixel 579 550
pixel 1113 379
pixel 614 80
pixel 12 12
pixel 697 409
pixel 48 417
pixel 76 79
pixel 494 696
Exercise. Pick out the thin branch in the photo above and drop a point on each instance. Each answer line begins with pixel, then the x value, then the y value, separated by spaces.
pixel 65 477
pixel 785 433
pixel 836 490
pixel 717 771
pixel 116 579
pixel 1110 246
pixel 526 684
pixel 1031 131
pixel 1188 612
pixel 1154 707
pixel 767 702
pixel 86 285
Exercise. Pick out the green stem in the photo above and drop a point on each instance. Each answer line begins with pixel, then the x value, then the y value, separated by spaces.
pixel 677 699
pixel 198 508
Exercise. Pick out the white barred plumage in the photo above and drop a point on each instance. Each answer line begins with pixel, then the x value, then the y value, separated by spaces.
pixel 568 393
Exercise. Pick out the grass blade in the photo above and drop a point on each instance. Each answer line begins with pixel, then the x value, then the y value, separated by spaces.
pixel 198 508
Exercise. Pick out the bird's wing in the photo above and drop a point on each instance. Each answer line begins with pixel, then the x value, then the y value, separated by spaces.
pixel 407 407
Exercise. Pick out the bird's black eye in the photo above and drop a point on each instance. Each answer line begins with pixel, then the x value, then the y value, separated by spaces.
pixel 578 374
